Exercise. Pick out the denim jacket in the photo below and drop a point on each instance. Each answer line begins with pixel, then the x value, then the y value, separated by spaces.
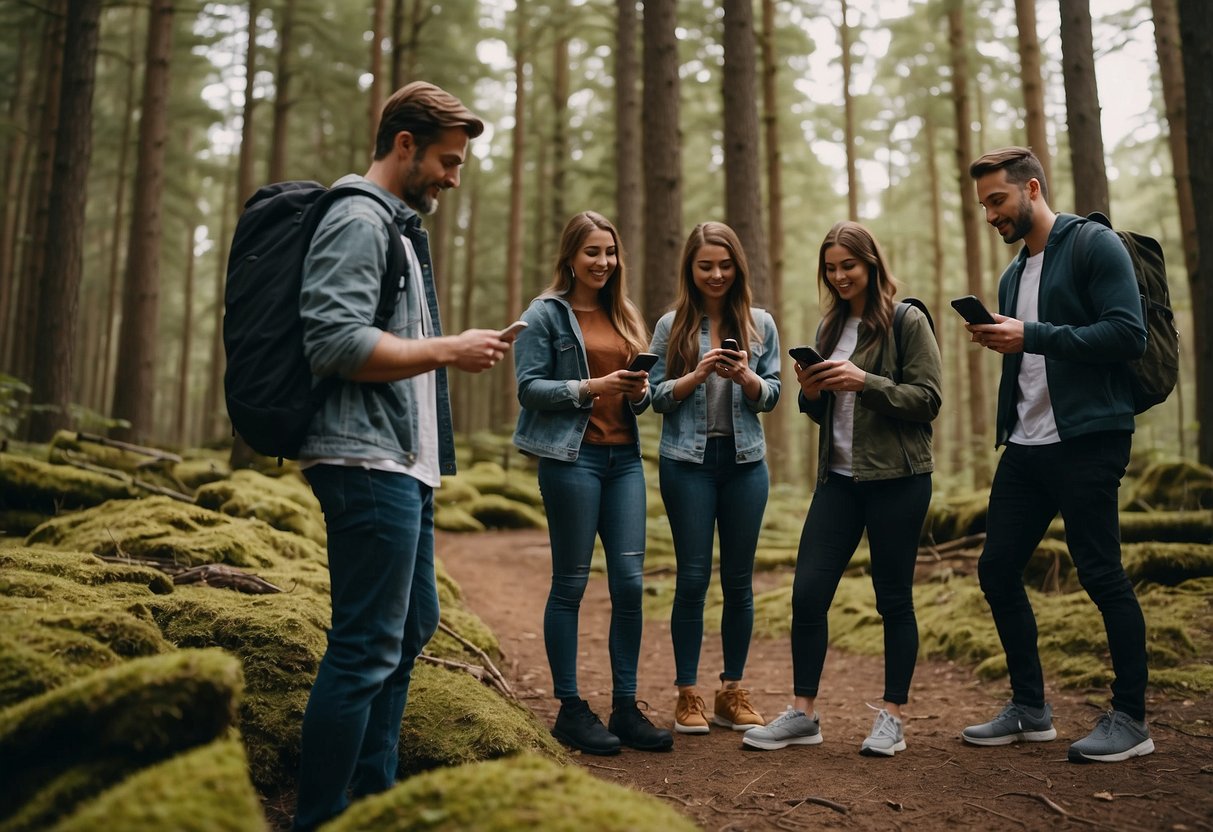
pixel 342 275
pixel 550 364
pixel 684 426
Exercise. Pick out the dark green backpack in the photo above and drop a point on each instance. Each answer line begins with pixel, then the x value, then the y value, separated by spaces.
pixel 1153 376
pixel 899 314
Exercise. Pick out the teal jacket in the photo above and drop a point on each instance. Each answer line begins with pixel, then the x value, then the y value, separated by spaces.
pixel 1090 326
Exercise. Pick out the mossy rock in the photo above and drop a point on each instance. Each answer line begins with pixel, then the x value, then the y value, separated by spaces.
pixel 455 519
pixel 951 518
pixel 206 789
pixel 491 478
pixel 469 626
pixel 284 502
pixel 453 719
pixel 35 486
pixel 1172 486
pixel 455 489
pixel 1162 526
pixel 145 709
pixel 497 512
pixel 193 473
pixel 165 529
pixel 490 448
pixel 524 792
pixel 1168 563
pixel 21 521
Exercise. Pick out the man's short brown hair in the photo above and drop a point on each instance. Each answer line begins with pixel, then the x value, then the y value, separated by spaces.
pixel 424 110
pixel 1020 163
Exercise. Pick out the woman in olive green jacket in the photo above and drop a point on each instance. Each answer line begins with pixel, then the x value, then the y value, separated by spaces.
pixel 875 396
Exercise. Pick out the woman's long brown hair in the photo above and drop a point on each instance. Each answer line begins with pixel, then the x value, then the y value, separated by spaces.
pixel 882 287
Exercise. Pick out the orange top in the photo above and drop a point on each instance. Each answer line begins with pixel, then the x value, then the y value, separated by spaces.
pixel 606 352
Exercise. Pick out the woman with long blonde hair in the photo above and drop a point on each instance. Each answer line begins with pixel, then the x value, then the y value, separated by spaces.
pixel 579 404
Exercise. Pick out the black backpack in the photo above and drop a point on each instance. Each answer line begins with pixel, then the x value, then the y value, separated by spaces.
pixel 270 390
pixel 1153 376
pixel 899 314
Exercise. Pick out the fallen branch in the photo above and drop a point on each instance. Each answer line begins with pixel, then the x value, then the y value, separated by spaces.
pixel 752 782
pixel 499 680
pixel 474 670
pixel 142 450
pixel 820 801
pixel 225 577
pixel 1055 807
pixel 72 459
pixel 937 551
pixel 992 812
pixel 681 800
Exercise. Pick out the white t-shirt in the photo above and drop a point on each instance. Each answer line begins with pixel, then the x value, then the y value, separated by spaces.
pixel 1035 425
pixel 425 467
pixel 843 424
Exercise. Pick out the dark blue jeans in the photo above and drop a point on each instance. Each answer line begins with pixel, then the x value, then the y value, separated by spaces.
pixel 892 512
pixel 385 609
pixel 1079 477
pixel 723 494
pixel 600 493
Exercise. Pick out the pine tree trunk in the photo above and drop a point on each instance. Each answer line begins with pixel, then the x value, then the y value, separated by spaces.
pixel 662 152
pixel 247 175
pixel 1033 84
pixel 958 43
pixel 776 420
pixel 181 420
pixel 1196 28
pixel 14 149
pixel 466 381
pixel 135 387
pixel 283 83
pixel 628 189
pixel 560 140
pixel 514 242
pixel 59 285
pixel 1082 109
pixel 742 148
pixel 943 324
pixel 1170 65
pixel 848 106
pixel 215 424
pixel 398 12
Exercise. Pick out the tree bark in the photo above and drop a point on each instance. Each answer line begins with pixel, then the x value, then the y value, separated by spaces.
pixel 14 150
pixel 1082 109
pixel 628 190
pixel 283 83
pixel 59 284
pixel 943 323
pixel 1170 65
pixel 465 410
pixel 215 407
pixel 134 396
pixel 742 149
pixel 1033 83
pixel 1196 28
pixel 776 420
pixel 374 103
pixel 958 43
pixel 514 242
pixel 247 177
pixel 662 156
pixel 848 106
pixel 181 433
pixel 560 138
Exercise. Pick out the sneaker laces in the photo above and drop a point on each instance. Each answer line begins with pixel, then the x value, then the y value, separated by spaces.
pixel 886 723
pixel 635 712
pixel 693 704
pixel 789 714
pixel 739 700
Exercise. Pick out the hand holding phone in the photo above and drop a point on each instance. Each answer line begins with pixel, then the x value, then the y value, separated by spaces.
pixel 512 331
pixel 805 356
pixel 643 362
pixel 730 344
pixel 973 310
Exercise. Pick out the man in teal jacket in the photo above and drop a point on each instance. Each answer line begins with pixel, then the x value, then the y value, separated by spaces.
pixel 1066 330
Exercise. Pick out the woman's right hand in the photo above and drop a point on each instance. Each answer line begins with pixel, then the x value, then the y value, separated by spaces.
pixel 628 382
pixel 812 377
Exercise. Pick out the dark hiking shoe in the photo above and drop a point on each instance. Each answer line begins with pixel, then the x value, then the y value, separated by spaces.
pixel 634 730
pixel 1117 736
pixel 1014 724
pixel 580 728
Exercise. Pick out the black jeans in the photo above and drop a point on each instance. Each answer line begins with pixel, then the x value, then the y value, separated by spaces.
pixel 892 512
pixel 1080 478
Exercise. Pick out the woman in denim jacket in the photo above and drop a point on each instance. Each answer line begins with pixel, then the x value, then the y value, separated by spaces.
pixel 713 466
pixel 579 405
pixel 875 397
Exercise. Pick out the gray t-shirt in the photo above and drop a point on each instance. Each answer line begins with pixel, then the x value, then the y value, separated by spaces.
pixel 720 406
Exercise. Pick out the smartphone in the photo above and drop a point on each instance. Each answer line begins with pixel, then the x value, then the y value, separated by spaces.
pixel 643 362
pixel 973 310
pixel 805 356
pixel 513 330
pixel 730 344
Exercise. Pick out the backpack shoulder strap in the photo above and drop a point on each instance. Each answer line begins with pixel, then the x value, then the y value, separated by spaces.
pixel 899 317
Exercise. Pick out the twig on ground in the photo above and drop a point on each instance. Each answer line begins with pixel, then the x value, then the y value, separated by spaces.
pixel 941 765
pixel 1052 806
pixel 1029 774
pixel 951 547
pixel 474 670
pixel 607 768
pixel 499 681
pixel 142 450
pixel 681 800
pixel 75 461
pixel 820 801
pixel 1179 730
pixel 993 812
pixel 752 782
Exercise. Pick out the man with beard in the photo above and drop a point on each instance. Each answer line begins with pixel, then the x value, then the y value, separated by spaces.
pixel 1069 325
pixel 378 446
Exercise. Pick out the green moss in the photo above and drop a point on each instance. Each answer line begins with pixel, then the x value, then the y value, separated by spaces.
pixel 1172 486
pixel 1162 526
pixel 64 792
pixel 454 719
pixel 1168 563
pixel 66 446
pixel 497 512
pixel 954 517
pixel 456 519
pixel 284 502
pixel 525 792
pixel 201 470
pixel 455 489
pixel 162 528
pixel 21 521
pixel 35 486
pixel 467 624
pixel 204 790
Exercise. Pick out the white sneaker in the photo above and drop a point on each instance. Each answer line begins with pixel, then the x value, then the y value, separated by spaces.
pixel 886 738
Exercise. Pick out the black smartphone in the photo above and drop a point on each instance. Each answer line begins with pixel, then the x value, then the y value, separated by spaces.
pixel 973 310
pixel 805 356
pixel 643 362
pixel 513 330
pixel 730 344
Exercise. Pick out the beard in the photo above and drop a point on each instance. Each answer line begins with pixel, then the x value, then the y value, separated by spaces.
pixel 1022 223
pixel 416 190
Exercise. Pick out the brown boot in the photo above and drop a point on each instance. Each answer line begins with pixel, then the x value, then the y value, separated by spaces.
pixel 690 713
pixel 733 710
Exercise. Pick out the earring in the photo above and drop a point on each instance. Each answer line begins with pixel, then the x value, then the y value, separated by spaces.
pixel 572 274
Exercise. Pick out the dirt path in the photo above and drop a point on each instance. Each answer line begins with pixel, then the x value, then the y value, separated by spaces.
pixel 939 782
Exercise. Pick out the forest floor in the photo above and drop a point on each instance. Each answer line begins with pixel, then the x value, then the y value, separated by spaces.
pixel 938 782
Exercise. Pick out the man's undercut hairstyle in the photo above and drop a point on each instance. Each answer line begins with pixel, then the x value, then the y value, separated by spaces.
pixel 424 110
pixel 1020 163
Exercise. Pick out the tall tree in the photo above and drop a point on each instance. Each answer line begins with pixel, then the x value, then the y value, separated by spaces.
pixel 1170 65
pixel 1082 109
pixel 848 107
pixel 958 45
pixel 374 103
pixel 214 408
pixel 776 422
pixel 514 242
pixel 181 415
pixel 1196 28
pixel 661 149
pixel 246 176
pixel 14 150
pixel 560 120
pixel 135 390
pixel 742 181
pixel 1033 84
pixel 628 194
pixel 59 286
pixel 284 77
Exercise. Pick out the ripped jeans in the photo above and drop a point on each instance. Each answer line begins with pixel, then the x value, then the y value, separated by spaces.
pixel 600 493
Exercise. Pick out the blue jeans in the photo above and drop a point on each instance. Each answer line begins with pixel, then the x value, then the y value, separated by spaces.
pixel 601 492
pixel 892 512
pixel 699 499
pixel 1079 477
pixel 385 609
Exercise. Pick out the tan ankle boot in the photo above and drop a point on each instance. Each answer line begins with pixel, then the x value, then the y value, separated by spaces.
pixel 733 710
pixel 690 715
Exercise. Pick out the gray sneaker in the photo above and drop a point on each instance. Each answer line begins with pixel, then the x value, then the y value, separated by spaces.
pixel 791 727
pixel 1117 736
pixel 886 738
pixel 1014 724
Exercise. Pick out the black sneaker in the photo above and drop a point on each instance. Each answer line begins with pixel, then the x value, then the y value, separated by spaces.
pixel 579 727
pixel 635 731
